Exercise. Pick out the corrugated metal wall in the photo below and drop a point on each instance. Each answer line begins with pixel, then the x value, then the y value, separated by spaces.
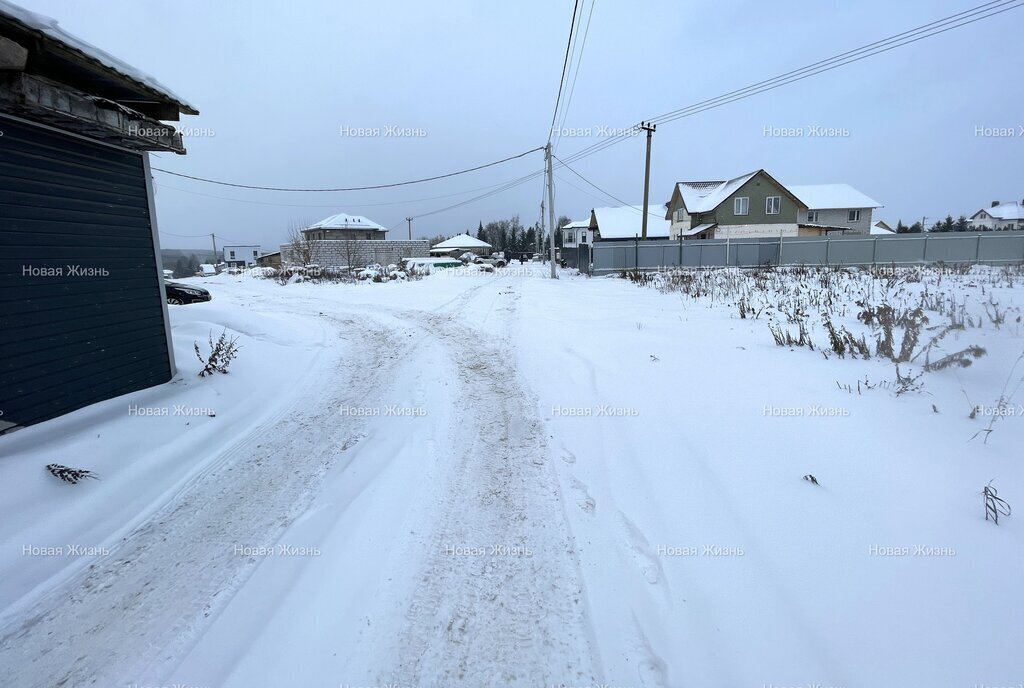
pixel 81 304
pixel 903 249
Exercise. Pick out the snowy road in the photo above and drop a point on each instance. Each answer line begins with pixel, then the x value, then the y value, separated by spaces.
pixel 504 480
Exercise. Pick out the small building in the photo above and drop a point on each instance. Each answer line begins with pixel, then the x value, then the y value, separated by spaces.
pixel 81 281
pixel 345 226
pixel 269 260
pixel 626 223
pixel 459 244
pixel 999 216
pixel 240 256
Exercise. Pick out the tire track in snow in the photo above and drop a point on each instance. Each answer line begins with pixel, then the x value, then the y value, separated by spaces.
pixel 141 607
pixel 500 600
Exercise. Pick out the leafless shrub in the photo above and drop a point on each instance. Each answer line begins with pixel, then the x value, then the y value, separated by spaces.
pixel 222 352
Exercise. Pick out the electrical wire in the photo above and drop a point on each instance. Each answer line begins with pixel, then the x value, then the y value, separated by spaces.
pixel 565 65
pixel 933 28
pixel 352 188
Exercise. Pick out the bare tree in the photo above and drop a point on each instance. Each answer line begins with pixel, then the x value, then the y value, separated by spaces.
pixel 300 247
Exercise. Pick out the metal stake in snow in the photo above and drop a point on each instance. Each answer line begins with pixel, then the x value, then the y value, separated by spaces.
pixel 551 207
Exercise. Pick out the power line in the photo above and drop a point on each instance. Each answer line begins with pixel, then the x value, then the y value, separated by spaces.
pixel 352 188
pixel 565 65
pixel 331 205
pixel 933 28
pixel 616 198
pixel 514 183
pixel 576 73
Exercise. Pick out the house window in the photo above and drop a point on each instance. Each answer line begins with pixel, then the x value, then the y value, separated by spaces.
pixel 773 205
pixel 854 216
pixel 680 214
pixel 232 255
pixel 583 237
pixel 812 215
pixel 741 205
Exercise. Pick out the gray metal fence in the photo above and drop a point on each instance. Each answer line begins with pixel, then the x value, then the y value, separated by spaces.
pixel 899 249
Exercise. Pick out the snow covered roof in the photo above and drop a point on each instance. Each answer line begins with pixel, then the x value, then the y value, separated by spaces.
pixel 50 30
pixel 578 224
pixel 1006 211
pixel 347 221
pixel 705 196
pixel 832 196
pixel 625 222
pixel 880 228
pixel 460 241
pixel 698 229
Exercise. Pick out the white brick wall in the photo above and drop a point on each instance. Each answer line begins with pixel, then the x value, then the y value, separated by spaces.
pixel 359 252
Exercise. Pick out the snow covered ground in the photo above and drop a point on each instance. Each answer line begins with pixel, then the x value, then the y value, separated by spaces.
pixel 504 480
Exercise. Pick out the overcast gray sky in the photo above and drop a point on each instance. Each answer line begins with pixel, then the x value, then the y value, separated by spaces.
pixel 276 82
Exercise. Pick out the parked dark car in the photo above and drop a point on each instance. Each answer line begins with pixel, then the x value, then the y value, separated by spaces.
pixel 178 294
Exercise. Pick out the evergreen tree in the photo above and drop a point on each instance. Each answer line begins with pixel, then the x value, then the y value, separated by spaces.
pixel 962 225
pixel 480 232
pixel 902 228
pixel 916 228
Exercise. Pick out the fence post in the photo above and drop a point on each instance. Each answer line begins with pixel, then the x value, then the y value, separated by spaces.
pixel 780 249
pixel 726 250
pixel 924 257
pixel 828 247
pixel 680 248
pixel 874 251
pixel 636 252
pixel 977 251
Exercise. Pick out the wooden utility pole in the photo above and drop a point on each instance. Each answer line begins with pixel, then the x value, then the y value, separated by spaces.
pixel 649 128
pixel 409 220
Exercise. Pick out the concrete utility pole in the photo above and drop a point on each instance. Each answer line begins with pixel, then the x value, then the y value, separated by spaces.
pixel 409 220
pixel 551 207
pixel 649 128
pixel 540 234
pixel 214 237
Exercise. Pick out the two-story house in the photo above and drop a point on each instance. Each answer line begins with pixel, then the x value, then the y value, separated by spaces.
pixel 241 256
pixel 999 216
pixel 758 205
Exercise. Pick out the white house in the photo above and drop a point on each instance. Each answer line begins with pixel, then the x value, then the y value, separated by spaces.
pixel 577 233
pixel 999 216
pixel 240 256
pixel 836 205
